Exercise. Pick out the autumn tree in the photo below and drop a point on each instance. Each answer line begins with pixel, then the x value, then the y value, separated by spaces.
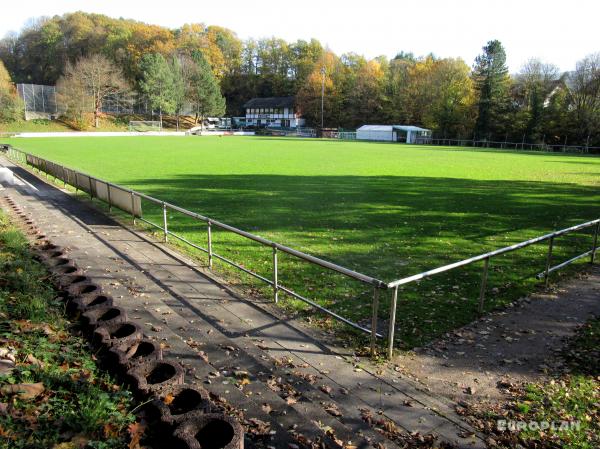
pixel 327 72
pixel 395 87
pixel 492 82
pixel 11 106
pixel 88 83
pixel 364 94
pixel 451 111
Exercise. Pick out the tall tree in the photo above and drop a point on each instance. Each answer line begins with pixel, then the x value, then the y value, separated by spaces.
pixel 88 83
pixel 204 91
pixel 158 84
pixel 179 67
pixel 309 95
pixel 533 86
pixel 364 91
pixel 584 89
pixel 492 83
pixel 451 110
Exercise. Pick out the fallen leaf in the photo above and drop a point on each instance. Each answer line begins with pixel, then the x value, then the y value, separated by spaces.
pixel 25 391
pixel 333 409
pixel 136 430
pixel 34 361
pixel 325 389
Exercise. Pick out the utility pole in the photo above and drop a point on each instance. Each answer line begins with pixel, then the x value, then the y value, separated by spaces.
pixel 322 94
pixel 587 143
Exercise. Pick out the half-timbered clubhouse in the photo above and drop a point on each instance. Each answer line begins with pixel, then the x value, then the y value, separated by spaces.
pixel 273 112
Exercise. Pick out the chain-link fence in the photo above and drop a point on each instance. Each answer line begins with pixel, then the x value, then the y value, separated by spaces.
pixel 39 100
pixel 43 101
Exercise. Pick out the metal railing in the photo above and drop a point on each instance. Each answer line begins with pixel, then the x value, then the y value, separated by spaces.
pixel 136 214
pixel 394 285
pixel 523 146
pixel 377 285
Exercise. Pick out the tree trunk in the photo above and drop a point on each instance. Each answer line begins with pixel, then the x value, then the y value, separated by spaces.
pixel 96 115
pixel 177 121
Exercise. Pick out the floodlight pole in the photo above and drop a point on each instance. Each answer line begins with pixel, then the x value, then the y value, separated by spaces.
pixel 322 94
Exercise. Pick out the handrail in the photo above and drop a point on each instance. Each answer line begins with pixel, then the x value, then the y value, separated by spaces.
pixel 394 285
pixel 497 252
pixel 507 145
pixel 376 283
pixel 299 254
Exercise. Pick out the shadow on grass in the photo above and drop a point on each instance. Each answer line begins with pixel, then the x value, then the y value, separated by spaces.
pixel 386 227
pixel 378 208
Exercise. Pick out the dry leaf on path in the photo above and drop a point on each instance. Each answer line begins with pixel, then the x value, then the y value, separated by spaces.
pixel 25 391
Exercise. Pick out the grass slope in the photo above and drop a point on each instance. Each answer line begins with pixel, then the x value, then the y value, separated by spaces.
pixel 567 404
pixel 53 396
pixel 383 209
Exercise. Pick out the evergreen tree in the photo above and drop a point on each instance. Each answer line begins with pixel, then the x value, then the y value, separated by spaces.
pixel 204 90
pixel 178 71
pixel 490 74
pixel 158 83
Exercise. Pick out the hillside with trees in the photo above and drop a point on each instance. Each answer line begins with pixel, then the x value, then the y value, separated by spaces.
pixel 211 68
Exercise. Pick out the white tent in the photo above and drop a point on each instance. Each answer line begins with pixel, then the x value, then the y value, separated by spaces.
pixel 393 133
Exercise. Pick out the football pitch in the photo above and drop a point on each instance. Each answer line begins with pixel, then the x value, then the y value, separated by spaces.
pixel 385 210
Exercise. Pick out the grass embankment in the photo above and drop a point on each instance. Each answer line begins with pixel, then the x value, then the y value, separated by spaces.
pixel 107 122
pixel 37 125
pixel 51 393
pixel 386 210
pixel 565 411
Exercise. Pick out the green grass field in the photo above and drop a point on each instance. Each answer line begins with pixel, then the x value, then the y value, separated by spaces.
pixel 385 210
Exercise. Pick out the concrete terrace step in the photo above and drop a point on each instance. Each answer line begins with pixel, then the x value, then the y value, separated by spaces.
pixel 293 376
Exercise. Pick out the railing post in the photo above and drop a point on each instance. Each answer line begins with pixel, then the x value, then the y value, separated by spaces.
pixel 275 276
pixel 90 184
pixel 375 310
pixel 165 225
pixel 64 176
pixel 484 276
pixel 595 244
pixel 548 262
pixel 392 325
pixel 133 207
pixel 108 197
pixel 209 234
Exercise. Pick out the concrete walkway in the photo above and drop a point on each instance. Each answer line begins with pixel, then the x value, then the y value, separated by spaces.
pixel 517 345
pixel 297 384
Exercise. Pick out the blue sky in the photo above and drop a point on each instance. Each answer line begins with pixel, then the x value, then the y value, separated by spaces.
pixel 556 31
